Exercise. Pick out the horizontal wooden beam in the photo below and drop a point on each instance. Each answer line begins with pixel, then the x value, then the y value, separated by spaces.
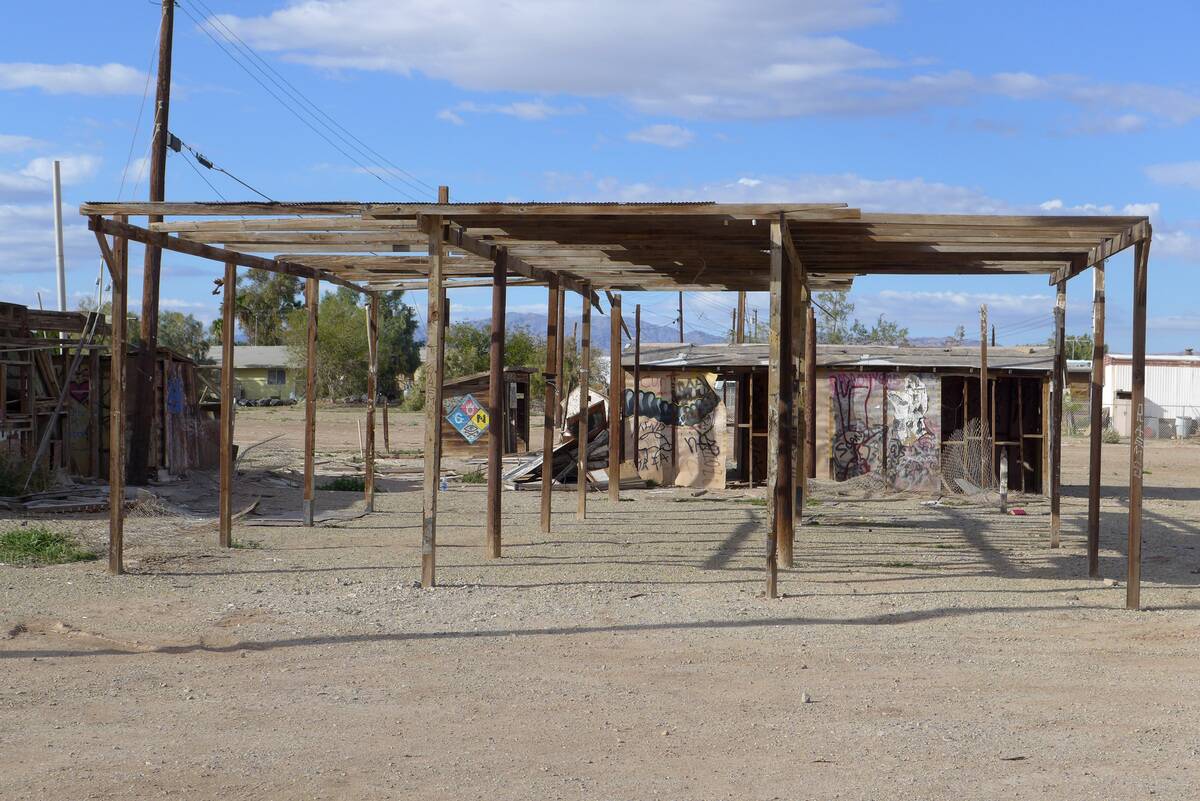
pixel 135 233
pixel 1138 232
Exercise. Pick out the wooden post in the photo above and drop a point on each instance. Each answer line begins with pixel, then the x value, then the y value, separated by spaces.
pixel 372 391
pixel 616 400
pixel 497 429
pixel 550 413
pixel 312 299
pixel 228 319
pixel 739 320
pixel 94 389
pixel 1096 423
pixel 798 478
pixel 779 462
pixel 1056 413
pixel 560 359
pixel 1137 439
pixel 681 318
pixel 986 435
pixel 810 392
pixel 118 266
pixel 143 391
pixel 435 349
pixel 637 384
pixel 584 381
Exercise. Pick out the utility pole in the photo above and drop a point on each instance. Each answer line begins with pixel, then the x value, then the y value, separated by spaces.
pixel 59 259
pixel 143 395
pixel 58 238
pixel 681 318
pixel 739 326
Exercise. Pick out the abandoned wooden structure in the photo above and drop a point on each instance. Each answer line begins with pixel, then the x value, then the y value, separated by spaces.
pixel 512 419
pixel 789 250
pixel 872 404
pixel 55 379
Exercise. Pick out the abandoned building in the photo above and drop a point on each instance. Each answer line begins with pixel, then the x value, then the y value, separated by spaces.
pixel 464 397
pixel 895 413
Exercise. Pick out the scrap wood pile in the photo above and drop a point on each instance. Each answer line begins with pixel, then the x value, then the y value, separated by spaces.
pixel 564 459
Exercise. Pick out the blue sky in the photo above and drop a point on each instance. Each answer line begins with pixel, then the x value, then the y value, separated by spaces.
pixel 908 106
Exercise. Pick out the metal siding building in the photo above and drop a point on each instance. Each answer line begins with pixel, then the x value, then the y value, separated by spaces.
pixel 1172 390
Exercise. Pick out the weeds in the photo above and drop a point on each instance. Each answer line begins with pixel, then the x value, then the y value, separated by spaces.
pixel 345 484
pixel 474 477
pixel 38 545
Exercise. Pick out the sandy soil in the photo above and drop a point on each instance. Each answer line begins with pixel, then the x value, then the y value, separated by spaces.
pixel 931 652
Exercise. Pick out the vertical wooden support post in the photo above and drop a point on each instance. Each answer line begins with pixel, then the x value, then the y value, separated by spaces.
pixel 810 392
pixel 560 358
pixel 1096 422
pixel 779 399
pixel 616 400
pixel 585 358
pixel 550 413
pixel 497 429
pixel 94 387
pixel 1056 413
pixel 118 266
pixel 372 392
pixel 435 349
pixel 312 299
pixel 1137 431
pixel 387 443
pixel 228 318
pixel 986 435
pixel 799 478
pixel 637 384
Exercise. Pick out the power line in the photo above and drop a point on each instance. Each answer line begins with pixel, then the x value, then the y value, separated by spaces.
pixel 366 168
pixel 175 143
pixel 365 149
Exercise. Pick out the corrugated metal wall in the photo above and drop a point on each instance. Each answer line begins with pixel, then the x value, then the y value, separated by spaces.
pixel 1172 390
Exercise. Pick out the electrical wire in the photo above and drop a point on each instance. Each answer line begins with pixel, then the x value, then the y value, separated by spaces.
pixel 364 148
pixel 304 119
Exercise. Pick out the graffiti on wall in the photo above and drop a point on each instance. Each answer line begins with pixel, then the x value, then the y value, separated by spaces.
pixel 887 419
pixel 914 432
pixel 857 403
pixel 682 429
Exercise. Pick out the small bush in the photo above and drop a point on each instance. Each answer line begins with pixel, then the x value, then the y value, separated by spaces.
pixel 345 484
pixel 474 477
pixel 414 401
pixel 38 545
pixel 1110 436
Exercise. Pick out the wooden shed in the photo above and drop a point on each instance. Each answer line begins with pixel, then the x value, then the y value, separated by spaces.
pixel 514 421
pixel 896 412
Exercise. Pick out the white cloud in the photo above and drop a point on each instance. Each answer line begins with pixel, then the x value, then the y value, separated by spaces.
pixel 869 194
pixel 761 58
pixel 13 143
pixel 84 79
pixel 1180 173
pixel 529 110
pixel 663 135
pixel 27 238
pixel 33 180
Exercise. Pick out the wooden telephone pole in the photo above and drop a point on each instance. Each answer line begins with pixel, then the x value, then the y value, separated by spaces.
pixel 143 390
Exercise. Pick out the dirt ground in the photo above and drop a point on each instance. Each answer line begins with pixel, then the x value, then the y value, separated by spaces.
pixel 921 651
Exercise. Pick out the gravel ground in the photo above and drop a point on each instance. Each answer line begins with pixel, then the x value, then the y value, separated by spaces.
pixel 933 652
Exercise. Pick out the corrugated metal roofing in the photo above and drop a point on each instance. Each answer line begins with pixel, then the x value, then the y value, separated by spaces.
pixel 882 357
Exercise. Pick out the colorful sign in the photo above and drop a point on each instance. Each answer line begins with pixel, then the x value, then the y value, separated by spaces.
pixel 469 419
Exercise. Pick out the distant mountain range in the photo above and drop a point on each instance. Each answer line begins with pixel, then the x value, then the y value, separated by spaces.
pixel 600 329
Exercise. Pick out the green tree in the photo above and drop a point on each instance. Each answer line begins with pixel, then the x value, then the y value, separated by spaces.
pixel 836 324
pixel 834 311
pixel 264 300
pixel 342 342
pixel 183 334
pixel 1078 346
